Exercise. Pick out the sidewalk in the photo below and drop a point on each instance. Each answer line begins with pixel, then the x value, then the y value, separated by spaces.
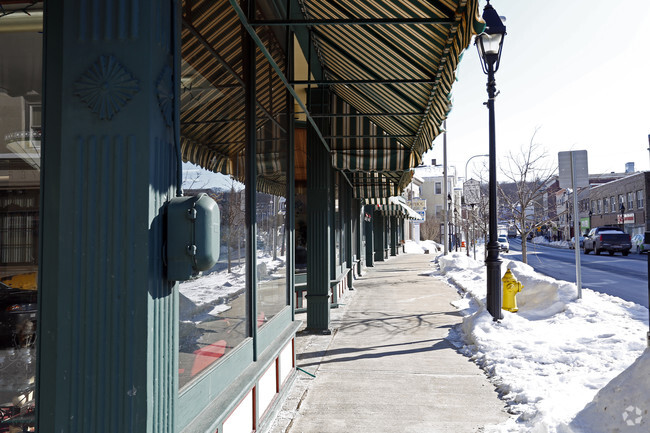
pixel 387 366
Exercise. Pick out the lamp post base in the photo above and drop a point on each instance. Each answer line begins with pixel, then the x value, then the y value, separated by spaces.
pixel 493 264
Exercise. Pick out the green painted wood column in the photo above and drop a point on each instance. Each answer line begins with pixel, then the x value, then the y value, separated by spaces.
pixel 357 228
pixel 319 222
pixel 393 236
pixel 108 318
pixel 369 232
pixel 348 224
pixel 379 230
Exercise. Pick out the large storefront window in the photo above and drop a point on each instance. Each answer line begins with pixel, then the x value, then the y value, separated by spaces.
pixel 213 306
pixel 213 311
pixel 271 201
pixel 271 256
pixel 20 162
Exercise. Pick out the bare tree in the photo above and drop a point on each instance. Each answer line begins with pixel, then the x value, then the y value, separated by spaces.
pixel 233 218
pixel 528 171
pixel 430 228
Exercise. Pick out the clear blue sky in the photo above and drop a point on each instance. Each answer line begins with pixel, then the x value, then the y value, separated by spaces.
pixel 577 69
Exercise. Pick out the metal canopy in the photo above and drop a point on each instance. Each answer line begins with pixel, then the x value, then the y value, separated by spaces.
pixel 389 66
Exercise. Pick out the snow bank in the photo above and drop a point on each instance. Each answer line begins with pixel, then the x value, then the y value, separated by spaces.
pixel 550 359
pixel 541 296
pixel 542 240
pixel 412 247
pixel 622 405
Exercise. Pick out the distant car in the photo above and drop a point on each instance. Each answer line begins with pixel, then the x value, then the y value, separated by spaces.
pixel 638 245
pixel 607 238
pixel 504 245
pixel 17 316
pixel 572 243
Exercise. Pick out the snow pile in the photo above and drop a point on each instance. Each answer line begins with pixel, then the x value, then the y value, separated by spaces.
pixel 411 247
pixel 211 292
pixel 550 359
pixel 629 390
pixel 542 240
pixel 541 296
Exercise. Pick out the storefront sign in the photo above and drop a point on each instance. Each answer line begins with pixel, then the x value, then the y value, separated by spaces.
pixel 628 218
pixel 417 204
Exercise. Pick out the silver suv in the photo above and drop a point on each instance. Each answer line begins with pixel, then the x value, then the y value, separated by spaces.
pixel 504 245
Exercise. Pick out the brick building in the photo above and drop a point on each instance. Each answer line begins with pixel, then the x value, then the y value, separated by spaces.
pixel 631 192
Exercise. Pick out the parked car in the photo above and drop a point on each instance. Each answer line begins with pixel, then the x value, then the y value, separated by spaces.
pixel 504 245
pixel 17 316
pixel 572 243
pixel 607 238
pixel 638 245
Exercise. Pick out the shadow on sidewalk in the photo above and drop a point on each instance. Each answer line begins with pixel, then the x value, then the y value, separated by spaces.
pixel 440 345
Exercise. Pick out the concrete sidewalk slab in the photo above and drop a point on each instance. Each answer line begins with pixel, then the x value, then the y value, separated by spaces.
pixel 387 365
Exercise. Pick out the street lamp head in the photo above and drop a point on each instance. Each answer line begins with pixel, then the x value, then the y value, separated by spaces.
pixel 490 42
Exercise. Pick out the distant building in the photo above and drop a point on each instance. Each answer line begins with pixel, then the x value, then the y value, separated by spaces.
pixel 621 202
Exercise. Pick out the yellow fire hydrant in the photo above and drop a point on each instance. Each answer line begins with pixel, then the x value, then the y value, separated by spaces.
pixel 510 288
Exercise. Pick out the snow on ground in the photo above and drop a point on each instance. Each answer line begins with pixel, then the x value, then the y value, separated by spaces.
pixel 419 248
pixel 210 293
pixel 551 358
pixel 542 240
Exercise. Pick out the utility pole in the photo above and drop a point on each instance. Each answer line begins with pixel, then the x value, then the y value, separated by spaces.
pixel 444 188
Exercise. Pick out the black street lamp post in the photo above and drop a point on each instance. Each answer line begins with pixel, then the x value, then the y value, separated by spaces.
pixel 450 224
pixel 489 44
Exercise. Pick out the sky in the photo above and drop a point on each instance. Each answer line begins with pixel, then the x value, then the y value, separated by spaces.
pixel 561 364
pixel 576 71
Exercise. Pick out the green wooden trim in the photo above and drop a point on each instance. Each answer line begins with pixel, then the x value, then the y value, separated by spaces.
pixel 202 392
pixel 369 229
pixel 212 416
pixel 107 334
pixel 270 330
pixel 319 172
pixel 249 77
pixel 290 226
pixel 379 231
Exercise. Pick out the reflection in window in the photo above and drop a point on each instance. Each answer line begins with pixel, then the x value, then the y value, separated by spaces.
pixel 213 319
pixel 20 162
pixel 271 256
pixel 301 233
pixel 271 202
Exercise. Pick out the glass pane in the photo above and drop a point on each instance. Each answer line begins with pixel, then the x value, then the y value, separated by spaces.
pixel 213 318
pixel 20 129
pixel 301 233
pixel 337 220
pixel 214 309
pixel 272 160
pixel 271 256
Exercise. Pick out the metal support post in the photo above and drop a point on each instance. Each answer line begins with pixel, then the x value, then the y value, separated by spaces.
pixel 492 261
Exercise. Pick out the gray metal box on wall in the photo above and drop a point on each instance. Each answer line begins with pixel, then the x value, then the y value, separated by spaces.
pixel 193 238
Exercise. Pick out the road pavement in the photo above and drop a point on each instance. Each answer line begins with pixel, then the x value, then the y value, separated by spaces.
pixel 624 277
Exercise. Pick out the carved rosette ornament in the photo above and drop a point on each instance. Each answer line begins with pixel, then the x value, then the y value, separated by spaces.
pixel 165 90
pixel 106 87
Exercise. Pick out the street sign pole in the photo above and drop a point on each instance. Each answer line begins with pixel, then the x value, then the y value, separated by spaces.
pixel 574 173
pixel 576 227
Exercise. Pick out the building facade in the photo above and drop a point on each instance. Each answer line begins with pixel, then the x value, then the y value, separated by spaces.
pixel 622 202
pixel 166 304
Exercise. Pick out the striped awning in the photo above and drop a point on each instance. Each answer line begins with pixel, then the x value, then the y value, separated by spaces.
pixel 393 206
pixel 212 96
pixel 389 66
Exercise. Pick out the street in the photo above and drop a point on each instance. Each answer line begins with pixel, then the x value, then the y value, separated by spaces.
pixel 625 277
